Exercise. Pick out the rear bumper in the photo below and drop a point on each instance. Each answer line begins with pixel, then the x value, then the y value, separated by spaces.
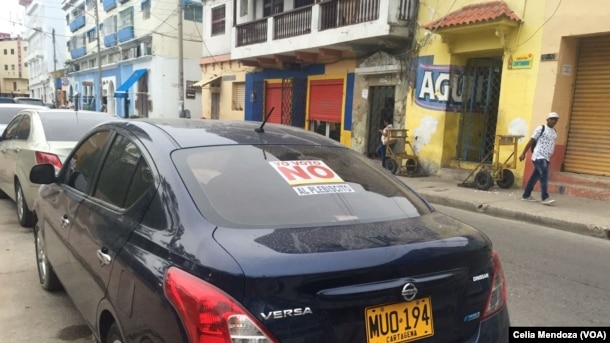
pixel 495 328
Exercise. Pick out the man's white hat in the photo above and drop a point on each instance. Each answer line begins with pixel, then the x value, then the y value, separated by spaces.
pixel 553 115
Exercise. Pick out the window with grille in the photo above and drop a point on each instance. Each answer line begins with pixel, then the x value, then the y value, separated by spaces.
pixel 218 20
pixel 91 35
pixel 239 96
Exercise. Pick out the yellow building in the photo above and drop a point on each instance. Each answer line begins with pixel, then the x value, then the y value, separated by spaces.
pixel 498 68
pixel 14 75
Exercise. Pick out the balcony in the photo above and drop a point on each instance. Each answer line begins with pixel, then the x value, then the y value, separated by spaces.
pixel 125 34
pixel 77 23
pixel 109 5
pixel 110 40
pixel 78 52
pixel 324 31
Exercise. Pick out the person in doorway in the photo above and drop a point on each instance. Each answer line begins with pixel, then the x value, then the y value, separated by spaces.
pixel 381 149
pixel 543 140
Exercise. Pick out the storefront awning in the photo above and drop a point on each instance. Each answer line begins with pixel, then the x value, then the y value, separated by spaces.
pixel 202 83
pixel 121 92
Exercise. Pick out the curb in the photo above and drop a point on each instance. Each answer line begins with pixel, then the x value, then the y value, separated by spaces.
pixel 560 224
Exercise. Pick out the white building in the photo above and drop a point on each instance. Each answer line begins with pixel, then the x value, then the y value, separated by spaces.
pixel 138 72
pixel 47 41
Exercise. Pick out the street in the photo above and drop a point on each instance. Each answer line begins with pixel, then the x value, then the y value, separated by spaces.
pixel 554 278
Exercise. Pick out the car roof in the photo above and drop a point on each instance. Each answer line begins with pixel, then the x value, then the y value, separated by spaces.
pixel 195 132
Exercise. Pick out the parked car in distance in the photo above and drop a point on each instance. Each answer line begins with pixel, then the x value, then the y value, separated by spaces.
pixel 9 110
pixel 34 136
pixel 31 101
pixel 7 100
pixel 178 230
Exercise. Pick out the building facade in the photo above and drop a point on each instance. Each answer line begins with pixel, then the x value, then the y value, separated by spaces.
pixel 498 68
pixel 148 54
pixel 45 60
pixel 311 63
pixel 14 74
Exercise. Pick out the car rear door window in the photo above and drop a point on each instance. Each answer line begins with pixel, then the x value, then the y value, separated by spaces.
pixel 125 176
pixel 85 161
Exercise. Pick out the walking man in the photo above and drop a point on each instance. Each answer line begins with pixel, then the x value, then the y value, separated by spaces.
pixel 543 140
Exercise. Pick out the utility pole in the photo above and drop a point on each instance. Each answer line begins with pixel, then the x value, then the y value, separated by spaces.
pixel 180 63
pixel 98 91
pixel 54 70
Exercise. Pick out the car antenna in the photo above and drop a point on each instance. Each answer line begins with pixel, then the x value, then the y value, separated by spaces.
pixel 260 129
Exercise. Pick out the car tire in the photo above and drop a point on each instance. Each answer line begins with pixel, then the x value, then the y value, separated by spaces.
pixel 46 275
pixel 508 178
pixel 391 165
pixel 483 180
pixel 114 335
pixel 24 214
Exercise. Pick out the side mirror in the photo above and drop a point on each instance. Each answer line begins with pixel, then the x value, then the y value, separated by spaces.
pixel 43 174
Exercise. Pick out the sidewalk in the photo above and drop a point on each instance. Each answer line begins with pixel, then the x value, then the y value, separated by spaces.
pixel 568 213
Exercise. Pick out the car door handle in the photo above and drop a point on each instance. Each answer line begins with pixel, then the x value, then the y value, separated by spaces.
pixel 102 255
pixel 65 221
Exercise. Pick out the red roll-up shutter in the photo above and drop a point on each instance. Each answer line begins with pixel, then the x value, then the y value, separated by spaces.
pixel 273 98
pixel 326 100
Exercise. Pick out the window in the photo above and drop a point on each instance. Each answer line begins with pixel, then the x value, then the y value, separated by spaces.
pixel 301 3
pixel 125 18
pixel 5 52
pixel 193 11
pixel 239 96
pixel 145 9
pixel 68 19
pixel 218 20
pixel 12 67
pixel 25 48
pixel 109 26
pixel 84 162
pixel 6 67
pixel 271 7
pixel 12 51
pixel 243 8
pixel 14 86
pixel 119 183
pixel 91 35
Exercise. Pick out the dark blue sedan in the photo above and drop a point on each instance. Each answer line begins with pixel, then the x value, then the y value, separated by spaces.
pixel 210 231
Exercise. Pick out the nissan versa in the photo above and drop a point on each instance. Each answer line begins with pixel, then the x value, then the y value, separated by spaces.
pixel 212 231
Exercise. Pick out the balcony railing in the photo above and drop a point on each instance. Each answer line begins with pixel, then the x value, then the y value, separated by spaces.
pixel 337 13
pixel 324 15
pixel 252 33
pixel 292 23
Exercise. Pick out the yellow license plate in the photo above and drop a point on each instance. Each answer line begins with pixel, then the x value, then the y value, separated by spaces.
pixel 398 323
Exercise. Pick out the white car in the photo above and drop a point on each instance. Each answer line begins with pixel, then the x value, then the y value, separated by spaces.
pixel 36 136
pixel 9 110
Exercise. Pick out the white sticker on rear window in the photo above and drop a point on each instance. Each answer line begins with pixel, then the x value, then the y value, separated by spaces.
pixel 306 172
pixel 323 189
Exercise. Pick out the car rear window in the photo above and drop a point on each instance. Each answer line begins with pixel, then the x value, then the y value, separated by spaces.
pixel 70 126
pixel 292 186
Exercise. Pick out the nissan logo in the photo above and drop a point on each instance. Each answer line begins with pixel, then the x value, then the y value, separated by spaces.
pixel 409 291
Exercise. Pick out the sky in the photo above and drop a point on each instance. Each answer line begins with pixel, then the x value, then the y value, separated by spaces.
pixel 11 10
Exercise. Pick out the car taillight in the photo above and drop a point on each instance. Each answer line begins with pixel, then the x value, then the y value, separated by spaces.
pixel 208 314
pixel 496 299
pixel 46 158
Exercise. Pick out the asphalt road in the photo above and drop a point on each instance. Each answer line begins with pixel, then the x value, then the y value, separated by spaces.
pixel 555 278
